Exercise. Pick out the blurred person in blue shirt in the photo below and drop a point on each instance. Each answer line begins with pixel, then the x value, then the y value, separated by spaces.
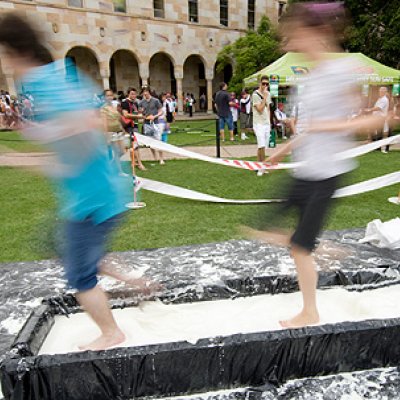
pixel 92 194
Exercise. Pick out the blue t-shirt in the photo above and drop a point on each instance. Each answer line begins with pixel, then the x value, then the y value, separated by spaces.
pixel 91 187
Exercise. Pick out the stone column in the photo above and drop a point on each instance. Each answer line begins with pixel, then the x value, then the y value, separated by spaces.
pixel 209 77
pixel 105 76
pixel 144 72
pixel 178 72
pixel 179 90
pixel 11 84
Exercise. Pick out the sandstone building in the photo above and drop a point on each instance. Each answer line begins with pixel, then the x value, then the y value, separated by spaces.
pixel 170 44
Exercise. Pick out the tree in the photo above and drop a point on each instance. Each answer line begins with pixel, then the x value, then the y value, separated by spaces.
pixel 374 29
pixel 250 53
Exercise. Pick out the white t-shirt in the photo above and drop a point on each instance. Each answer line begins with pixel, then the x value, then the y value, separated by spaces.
pixel 170 105
pixel 235 110
pixel 262 118
pixel 328 95
pixel 383 104
pixel 247 103
pixel 280 116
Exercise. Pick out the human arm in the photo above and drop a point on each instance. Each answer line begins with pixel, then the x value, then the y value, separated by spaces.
pixel 363 123
pixel 260 103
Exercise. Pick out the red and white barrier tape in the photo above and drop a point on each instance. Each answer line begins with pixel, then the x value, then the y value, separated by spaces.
pixel 252 165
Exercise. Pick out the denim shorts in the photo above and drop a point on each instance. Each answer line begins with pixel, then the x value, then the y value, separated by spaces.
pixel 226 120
pixel 84 248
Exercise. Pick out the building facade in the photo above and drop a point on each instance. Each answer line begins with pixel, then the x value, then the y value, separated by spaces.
pixel 171 45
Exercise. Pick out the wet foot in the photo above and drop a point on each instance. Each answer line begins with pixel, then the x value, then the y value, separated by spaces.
pixel 143 285
pixel 301 320
pixel 105 342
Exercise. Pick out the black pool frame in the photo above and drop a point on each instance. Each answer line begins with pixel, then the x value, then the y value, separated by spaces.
pixel 182 368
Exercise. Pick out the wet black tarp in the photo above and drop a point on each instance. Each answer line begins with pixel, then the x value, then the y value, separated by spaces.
pixel 210 364
pixel 194 273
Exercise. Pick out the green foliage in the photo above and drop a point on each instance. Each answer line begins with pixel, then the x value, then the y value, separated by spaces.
pixel 250 53
pixel 374 29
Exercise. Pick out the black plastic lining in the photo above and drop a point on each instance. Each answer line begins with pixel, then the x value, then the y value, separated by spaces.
pixel 210 364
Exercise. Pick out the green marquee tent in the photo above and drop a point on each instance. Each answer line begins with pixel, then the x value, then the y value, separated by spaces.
pixel 292 69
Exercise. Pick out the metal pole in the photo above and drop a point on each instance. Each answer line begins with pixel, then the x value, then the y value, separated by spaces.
pixel 218 138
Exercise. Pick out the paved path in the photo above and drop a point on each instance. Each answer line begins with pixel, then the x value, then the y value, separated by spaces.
pixel 12 159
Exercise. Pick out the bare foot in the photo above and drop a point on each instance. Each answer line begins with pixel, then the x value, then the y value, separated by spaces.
pixel 105 342
pixel 143 285
pixel 301 320
pixel 162 162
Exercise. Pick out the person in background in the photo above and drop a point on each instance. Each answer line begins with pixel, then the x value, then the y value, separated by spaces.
pixel 246 123
pixel 381 109
pixel 261 101
pixel 203 102
pixel 169 108
pixel 163 123
pixel 190 104
pixel 151 108
pixel 130 116
pixel 234 107
pixel 223 104
pixel 284 123
pixel 113 128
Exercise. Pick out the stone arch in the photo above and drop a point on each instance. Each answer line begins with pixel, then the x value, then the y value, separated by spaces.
pixel 124 70
pixel 194 76
pixel 85 59
pixel 162 73
pixel 224 75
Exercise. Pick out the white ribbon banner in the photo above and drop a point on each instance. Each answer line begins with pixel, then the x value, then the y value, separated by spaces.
pixel 176 191
pixel 252 165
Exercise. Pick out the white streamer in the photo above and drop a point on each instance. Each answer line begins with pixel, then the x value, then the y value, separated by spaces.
pixel 176 191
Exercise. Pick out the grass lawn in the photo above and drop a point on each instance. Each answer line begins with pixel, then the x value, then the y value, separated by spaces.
pixel 183 133
pixel 27 206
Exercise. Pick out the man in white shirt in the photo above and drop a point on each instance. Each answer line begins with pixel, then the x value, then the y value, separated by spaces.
pixel 381 109
pixel 261 100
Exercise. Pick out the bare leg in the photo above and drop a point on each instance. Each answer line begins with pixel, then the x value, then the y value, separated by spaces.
pixel 143 285
pixel 232 137
pixel 94 301
pixel 161 157
pixel 308 279
pixel 139 160
pixel 154 152
pixel 222 134
pixel 261 154
pixel 278 238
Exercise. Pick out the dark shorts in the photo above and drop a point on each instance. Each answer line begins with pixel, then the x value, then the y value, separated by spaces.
pixel 84 248
pixel 245 121
pixel 170 117
pixel 312 199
